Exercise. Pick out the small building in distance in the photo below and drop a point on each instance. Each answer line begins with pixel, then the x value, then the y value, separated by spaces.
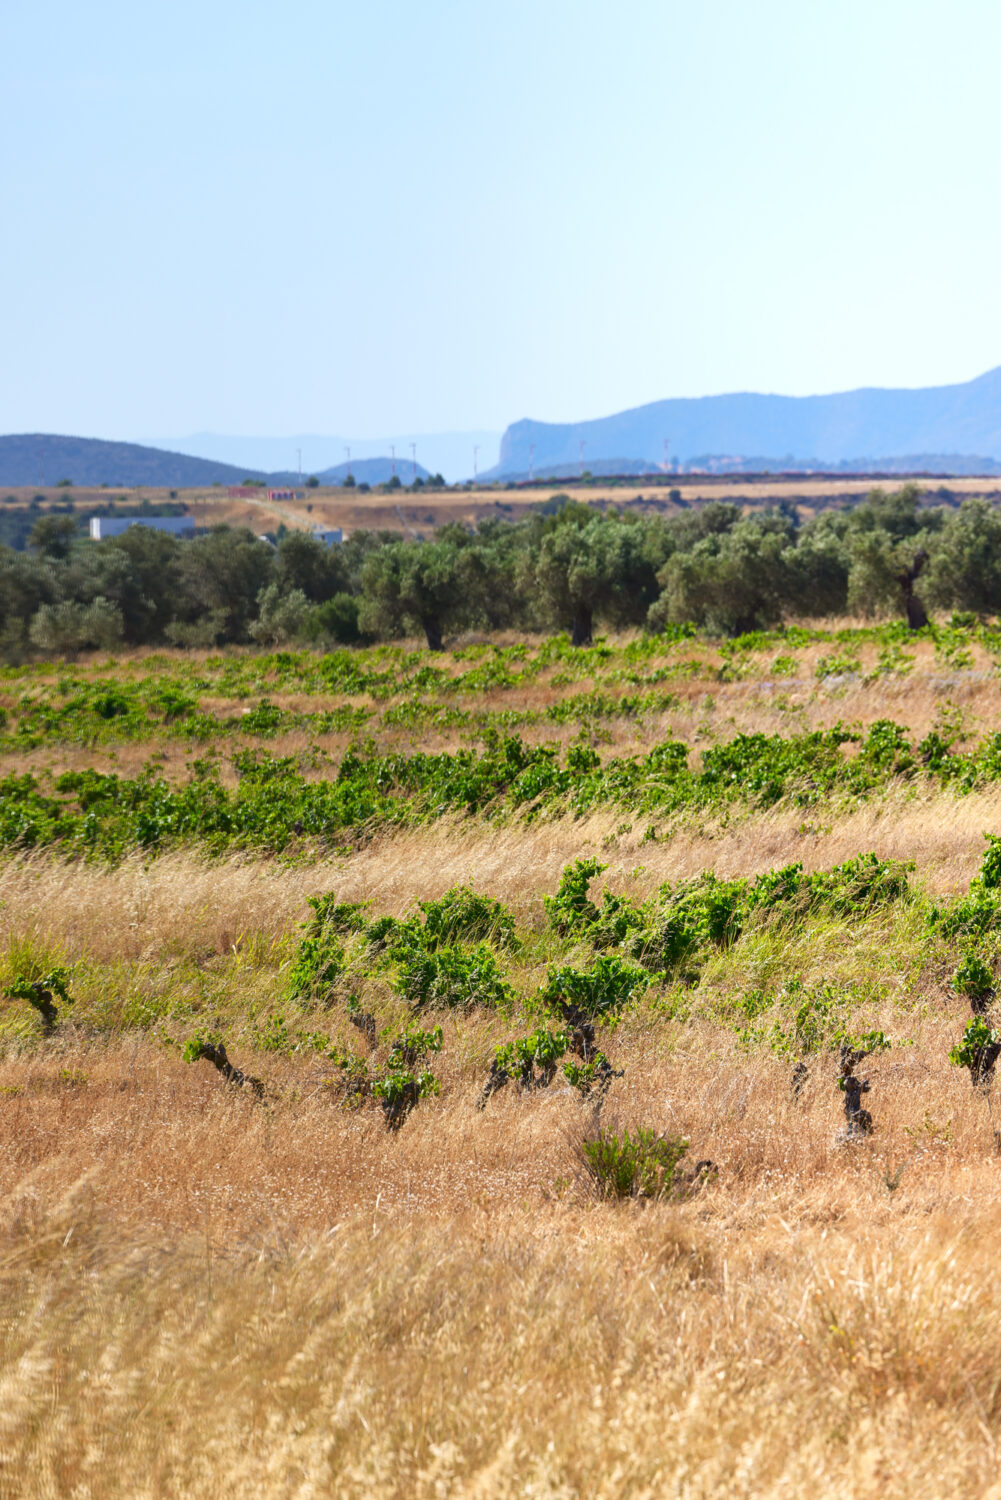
pixel 105 526
pixel 285 495
pixel 331 536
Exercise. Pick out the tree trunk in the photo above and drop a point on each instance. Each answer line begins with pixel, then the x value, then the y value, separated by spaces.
pixel 917 615
pixel 432 629
pixel 580 634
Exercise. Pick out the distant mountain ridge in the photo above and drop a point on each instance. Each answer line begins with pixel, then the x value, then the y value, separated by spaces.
pixel 42 459
pixel 961 420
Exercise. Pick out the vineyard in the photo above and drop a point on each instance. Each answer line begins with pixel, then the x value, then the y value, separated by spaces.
pixel 517 1070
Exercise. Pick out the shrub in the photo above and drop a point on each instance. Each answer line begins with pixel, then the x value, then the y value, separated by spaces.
pixel 990 863
pixel 461 915
pixel 860 884
pixel 571 909
pixel 412 1045
pixel 642 1165
pixel 978 1051
pixel 39 992
pixel 974 979
pixel 454 976
pixel 603 989
pixel 399 1092
pixel 319 960
pixel 701 912
pixel 336 619
pixel 775 888
pixel 584 1077
pixel 519 1059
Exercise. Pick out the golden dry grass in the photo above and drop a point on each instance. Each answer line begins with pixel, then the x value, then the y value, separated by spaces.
pixel 207 1297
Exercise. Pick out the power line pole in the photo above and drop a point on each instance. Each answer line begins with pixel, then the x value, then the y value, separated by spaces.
pixel 531 462
pixel 580 457
pixel 476 450
pixel 413 455
pixel 393 452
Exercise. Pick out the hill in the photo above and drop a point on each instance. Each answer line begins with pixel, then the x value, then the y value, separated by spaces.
pixel 959 420
pixel 373 471
pixel 45 458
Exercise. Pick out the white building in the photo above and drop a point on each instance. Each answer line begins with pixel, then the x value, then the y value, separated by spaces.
pixel 105 526
pixel 332 536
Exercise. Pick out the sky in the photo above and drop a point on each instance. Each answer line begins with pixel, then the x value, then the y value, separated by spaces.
pixel 355 219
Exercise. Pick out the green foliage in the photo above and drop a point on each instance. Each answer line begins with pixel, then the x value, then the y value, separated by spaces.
pixel 541 1049
pixel 698 913
pixel 462 915
pixel 571 909
pixel 39 990
pixel 803 1018
pixel 196 1044
pixel 453 976
pixel 973 979
pixel 860 884
pixel 990 864
pixel 602 989
pixel 399 1091
pixel 979 911
pixel 978 1037
pixel 412 1045
pixel 584 1076
pixel 319 960
pixel 638 1165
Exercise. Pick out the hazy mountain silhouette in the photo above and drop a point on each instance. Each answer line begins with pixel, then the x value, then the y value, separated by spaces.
pixel 44 458
pixel 373 471
pixel 951 419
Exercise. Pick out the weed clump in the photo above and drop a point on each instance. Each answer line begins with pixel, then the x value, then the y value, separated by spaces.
pixel 639 1165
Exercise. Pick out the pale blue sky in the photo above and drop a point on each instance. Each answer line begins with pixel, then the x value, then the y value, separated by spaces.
pixel 392 217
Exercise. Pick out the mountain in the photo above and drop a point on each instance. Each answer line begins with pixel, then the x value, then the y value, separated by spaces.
pixel 373 471
pixel 949 419
pixel 448 453
pixel 45 458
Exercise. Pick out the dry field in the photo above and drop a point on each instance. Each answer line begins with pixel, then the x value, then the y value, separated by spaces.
pixel 421 513
pixel 209 1295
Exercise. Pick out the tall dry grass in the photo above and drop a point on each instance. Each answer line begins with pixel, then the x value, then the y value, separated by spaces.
pixel 208 1297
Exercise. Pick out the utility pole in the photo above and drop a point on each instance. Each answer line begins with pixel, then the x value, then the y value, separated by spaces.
pixel 666 469
pixel 580 457
pixel 413 455
pixel 531 462
pixel 476 450
pixel 393 452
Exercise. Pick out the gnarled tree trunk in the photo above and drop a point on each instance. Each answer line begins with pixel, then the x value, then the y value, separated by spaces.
pixel 581 626
pixel 917 615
